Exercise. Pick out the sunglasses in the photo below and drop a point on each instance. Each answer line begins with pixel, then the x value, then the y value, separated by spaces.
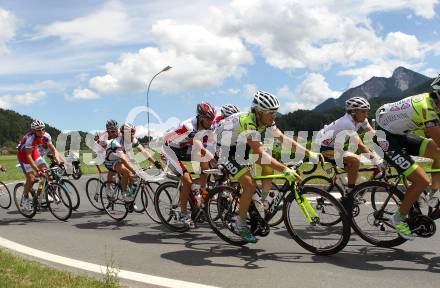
pixel 112 131
pixel 44 129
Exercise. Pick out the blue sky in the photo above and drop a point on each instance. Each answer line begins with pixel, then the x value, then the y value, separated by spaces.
pixel 75 64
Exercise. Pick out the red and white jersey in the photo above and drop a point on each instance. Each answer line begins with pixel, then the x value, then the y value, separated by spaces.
pixel 182 136
pixel 30 140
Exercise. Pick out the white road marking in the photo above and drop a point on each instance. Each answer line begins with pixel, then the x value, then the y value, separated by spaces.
pixel 123 274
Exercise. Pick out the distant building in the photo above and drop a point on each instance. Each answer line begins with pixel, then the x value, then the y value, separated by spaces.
pixel 6 150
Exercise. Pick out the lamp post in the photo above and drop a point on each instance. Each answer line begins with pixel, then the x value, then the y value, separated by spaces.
pixel 148 102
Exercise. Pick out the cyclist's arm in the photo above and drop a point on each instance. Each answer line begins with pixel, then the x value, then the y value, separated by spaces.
pixel 28 152
pixel 292 143
pixel 146 153
pixel 264 157
pixel 202 150
pixel 57 156
pixel 434 133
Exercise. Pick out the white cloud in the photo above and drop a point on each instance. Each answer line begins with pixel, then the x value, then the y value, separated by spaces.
pixel 110 24
pixel 9 101
pixel 7 29
pixel 320 34
pixel 311 92
pixel 157 129
pixel 82 94
pixel 422 8
pixel 249 90
pixel 200 59
pixel 34 86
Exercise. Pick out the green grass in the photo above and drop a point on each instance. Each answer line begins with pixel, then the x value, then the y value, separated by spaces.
pixel 16 272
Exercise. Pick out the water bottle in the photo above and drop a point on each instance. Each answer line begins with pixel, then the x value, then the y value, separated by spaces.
pixel 258 204
pixel 269 200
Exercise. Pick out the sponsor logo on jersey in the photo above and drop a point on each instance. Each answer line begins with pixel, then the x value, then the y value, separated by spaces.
pixel 418 98
pixel 384 145
pixel 394 108
pixel 405 106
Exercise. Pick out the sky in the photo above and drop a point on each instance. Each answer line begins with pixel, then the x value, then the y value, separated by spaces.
pixel 76 63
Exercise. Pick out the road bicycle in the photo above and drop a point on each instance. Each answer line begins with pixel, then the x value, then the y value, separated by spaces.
pixel 381 201
pixel 116 205
pixel 5 194
pixel 306 211
pixel 56 197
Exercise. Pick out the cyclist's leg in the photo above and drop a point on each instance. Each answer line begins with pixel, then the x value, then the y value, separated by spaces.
pixel 351 165
pixel 432 151
pixel 126 174
pixel 266 184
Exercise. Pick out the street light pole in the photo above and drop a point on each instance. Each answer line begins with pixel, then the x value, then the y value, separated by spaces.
pixel 148 101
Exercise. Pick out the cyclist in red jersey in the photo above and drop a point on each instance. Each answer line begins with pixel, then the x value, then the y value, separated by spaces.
pixel 29 158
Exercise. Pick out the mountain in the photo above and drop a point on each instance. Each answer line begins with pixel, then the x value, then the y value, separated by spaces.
pixel 378 90
pixel 402 80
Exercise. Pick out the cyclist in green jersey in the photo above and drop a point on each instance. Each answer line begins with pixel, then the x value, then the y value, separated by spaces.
pixel 237 136
pixel 412 128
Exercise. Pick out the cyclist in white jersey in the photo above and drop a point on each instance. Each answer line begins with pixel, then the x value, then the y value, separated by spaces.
pixel 412 128
pixel 346 127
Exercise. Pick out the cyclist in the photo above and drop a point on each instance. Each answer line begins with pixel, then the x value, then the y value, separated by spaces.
pixel 226 111
pixel 347 126
pixel 407 124
pixel 259 120
pixel 178 145
pixel 102 138
pixel 29 158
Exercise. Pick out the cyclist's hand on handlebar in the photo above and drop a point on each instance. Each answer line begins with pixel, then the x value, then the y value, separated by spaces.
pixel 291 173
pixel 40 173
pixel 158 165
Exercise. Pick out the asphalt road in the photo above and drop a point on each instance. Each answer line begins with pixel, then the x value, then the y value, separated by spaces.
pixel 137 244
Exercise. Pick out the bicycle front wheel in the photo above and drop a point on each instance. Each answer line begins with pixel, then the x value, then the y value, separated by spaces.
pixel 93 190
pixel 321 239
pixel 58 201
pixel 377 202
pixel 167 205
pixel 147 195
pixel 73 192
pixel 27 211
pixel 112 201
pixel 5 196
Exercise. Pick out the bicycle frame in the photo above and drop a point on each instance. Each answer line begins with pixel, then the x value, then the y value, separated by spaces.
pixel 302 201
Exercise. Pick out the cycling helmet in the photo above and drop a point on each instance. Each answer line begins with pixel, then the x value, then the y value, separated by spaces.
pixel 206 110
pixel 37 125
pixel 128 127
pixel 229 109
pixel 357 103
pixel 111 125
pixel 265 101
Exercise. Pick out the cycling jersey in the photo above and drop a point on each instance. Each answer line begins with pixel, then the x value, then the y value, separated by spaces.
pixel 181 136
pixel 346 124
pixel 410 115
pixel 228 133
pixel 30 140
pixel 114 147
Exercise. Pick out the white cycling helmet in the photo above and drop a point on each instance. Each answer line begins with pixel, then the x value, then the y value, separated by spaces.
pixel 436 84
pixel 357 103
pixel 265 101
pixel 37 125
pixel 229 109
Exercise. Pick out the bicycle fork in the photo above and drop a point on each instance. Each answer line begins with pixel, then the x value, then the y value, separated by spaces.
pixel 306 208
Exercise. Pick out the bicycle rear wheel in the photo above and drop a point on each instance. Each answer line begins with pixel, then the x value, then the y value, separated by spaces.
pixel 18 198
pixel 147 195
pixel 315 237
pixel 58 201
pixel 373 223
pixel 167 205
pixel 5 196
pixel 221 208
pixel 73 192
pixel 93 190
pixel 112 201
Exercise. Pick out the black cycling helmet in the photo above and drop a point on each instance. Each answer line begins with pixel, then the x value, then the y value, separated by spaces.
pixel 111 125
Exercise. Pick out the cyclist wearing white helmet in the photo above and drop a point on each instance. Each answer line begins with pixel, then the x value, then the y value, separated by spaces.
pixel 261 120
pixel 347 126
pixel 29 158
pixel 412 128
